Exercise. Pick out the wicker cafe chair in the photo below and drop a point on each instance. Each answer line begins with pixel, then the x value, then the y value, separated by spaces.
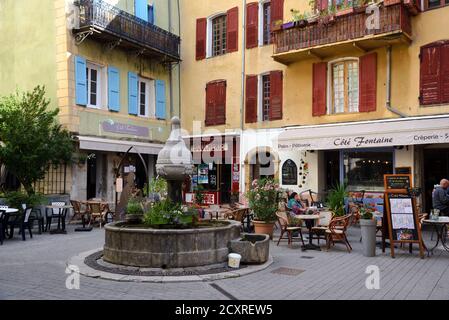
pixel 237 215
pixel 323 224
pixel 337 231
pixel 78 210
pixel 287 228
pixel 96 211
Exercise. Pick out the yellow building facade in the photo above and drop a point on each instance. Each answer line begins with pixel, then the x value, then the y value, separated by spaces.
pixel 351 71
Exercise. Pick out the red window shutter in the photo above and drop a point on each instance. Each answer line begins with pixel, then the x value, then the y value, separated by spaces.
pixel 251 99
pixel 233 30
pixel 368 83
pixel 201 30
pixel 430 78
pixel 220 106
pixel 319 90
pixel 252 25
pixel 210 103
pixel 444 90
pixel 276 95
pixel 277 11
pixel 323 4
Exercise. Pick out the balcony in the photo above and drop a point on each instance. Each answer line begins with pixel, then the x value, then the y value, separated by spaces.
pixel 116 28
pixel 343 35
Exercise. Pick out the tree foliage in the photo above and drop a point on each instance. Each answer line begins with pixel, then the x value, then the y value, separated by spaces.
pixel 31 139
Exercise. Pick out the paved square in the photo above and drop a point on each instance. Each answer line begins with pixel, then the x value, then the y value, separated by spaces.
pixel 35 269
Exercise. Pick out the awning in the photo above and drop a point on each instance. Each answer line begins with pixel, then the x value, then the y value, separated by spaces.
pixel 368 134
pixel 111 145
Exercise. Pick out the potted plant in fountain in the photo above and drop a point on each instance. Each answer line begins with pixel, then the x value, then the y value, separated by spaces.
pixel 368 227
pixel 263 198
pixel 134 212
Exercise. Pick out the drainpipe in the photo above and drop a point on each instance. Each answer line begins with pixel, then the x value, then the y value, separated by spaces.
pixel 388 103
pixel 170 75
pixel 242 102
pixel 179 64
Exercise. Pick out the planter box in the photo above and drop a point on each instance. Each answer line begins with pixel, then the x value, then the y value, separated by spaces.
pixel 254 248
pixel 288 25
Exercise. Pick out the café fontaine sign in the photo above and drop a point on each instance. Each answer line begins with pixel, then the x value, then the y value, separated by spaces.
pixel 366 141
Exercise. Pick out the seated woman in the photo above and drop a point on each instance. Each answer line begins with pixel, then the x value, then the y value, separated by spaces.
pixel 295 205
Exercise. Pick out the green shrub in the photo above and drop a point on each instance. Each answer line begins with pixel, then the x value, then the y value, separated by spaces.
pixel 336 199
pixel 134 207
pixel 167 212
pixel 15 199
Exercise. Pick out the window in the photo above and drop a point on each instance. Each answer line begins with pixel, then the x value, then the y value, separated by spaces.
pixel 266 23
pixel 345 86
pixel 266 84
pixel 430 4
pixel 146 98
pixel 219 28
pixel 365 170
pixel 290 173
pixel 93 80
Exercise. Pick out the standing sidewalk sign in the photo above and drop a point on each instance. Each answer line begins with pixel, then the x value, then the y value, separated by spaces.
pixel 401 211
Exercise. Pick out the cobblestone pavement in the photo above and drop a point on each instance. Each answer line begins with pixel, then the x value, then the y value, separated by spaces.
pixel 35 269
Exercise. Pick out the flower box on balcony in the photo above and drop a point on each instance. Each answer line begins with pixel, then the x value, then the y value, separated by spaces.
pixel 391 2
pixel 344 12
pixel 412 6
pixel 288 25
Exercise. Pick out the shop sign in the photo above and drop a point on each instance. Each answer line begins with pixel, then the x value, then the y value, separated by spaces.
pixel 123 128
pixel 366 141
pixel 211 147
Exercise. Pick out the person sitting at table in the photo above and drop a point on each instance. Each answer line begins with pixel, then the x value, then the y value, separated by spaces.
pixel 295 205
pixel 440 197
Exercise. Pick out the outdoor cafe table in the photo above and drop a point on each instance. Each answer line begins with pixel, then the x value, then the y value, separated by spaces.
pixel 217 211
pixel 440 227
pixel 61 218
pixel 310 220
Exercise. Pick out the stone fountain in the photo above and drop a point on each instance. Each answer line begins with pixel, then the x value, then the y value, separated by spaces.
pixel 146 247
pixel 175 162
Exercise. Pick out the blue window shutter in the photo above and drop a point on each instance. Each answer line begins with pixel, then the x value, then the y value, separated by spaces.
pixel 80 81
pixel 132 93
pixel 141 9
pixel 160 99
pixel 114 89
pixel 151 14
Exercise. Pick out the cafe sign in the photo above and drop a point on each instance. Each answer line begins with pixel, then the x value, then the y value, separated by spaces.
pixel 365 141
pixel 124 128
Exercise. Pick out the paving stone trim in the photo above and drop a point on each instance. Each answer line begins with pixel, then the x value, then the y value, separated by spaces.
pixel 91 265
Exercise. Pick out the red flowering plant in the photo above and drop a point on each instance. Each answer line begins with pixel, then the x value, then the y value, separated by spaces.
pixel 264 196
pixel 367 211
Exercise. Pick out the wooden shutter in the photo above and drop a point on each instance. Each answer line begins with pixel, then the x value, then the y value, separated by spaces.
pixel 161 105
pixel 201 34
pixel 132 93
pixel 277 11
pixel 210 104
pixel 113 89
pixel 220 106
pixel 444 89
pixel 319 90
pixel 322 4
pixel 141 9
pixel 252 25
pixel 80 81
pixel 430 74
pixel 276 95
pixel 232 25
pixel 368 83
pixel 251 99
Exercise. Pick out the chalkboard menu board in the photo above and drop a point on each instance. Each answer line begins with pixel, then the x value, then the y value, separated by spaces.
pixel 398 182
pixel 403 218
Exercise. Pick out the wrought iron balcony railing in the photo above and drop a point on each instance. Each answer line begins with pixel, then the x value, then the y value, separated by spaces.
pixel 109 24
pixel 394 20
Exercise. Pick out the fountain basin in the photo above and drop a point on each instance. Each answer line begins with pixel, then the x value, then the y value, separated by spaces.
pixel 168 248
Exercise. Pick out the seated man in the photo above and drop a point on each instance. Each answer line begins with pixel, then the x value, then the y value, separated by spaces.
pixel 440 198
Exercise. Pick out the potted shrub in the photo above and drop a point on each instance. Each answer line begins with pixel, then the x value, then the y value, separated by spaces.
pixel 134 212
pixel 336 199
pixel 368 226
pixel 300 19
pixel 263 198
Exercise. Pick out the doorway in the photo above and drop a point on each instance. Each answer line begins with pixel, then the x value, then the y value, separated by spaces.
pixel 332 162
pixel 436 167
pixel 225 183
pixel 92 176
